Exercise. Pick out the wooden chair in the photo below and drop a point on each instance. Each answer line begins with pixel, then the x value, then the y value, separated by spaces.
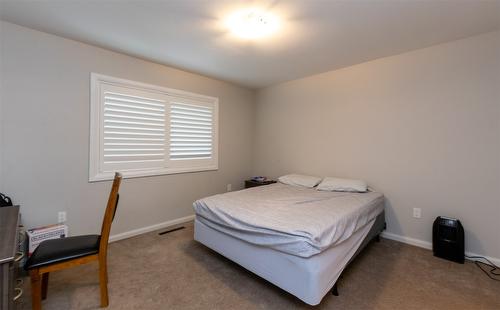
pixel 58 254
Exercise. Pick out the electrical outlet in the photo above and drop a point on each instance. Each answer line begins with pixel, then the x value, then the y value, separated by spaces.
pixel 417 213
pixel 61 217
pixel 229 187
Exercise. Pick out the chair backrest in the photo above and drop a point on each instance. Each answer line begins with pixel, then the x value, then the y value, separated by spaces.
pixel 110 213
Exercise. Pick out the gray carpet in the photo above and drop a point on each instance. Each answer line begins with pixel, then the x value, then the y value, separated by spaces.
pixel 175 272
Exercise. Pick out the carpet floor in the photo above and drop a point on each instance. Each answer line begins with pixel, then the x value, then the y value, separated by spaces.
pixel 173 271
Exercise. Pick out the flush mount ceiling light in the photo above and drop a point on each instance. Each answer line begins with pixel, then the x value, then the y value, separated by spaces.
pixel 252 23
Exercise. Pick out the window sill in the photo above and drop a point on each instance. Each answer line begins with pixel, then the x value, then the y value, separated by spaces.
pixel 107 176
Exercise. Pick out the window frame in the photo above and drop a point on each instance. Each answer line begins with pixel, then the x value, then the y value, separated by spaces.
pixel 96 129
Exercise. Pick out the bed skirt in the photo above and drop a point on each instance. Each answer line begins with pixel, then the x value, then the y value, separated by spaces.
pixel 309 279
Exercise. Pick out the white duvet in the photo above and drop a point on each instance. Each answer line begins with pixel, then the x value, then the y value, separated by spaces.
pixel 295 220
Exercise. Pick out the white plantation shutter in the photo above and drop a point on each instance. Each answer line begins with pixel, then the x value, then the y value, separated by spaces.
pixel 191 131
pixel 133 132
pixel 143 130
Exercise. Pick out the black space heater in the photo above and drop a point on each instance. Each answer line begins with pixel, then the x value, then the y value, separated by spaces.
pixel 448 239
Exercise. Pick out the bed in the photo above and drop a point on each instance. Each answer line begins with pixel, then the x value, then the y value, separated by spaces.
pixel 300 239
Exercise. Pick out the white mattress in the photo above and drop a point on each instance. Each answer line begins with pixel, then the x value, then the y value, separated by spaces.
pixel 290 219
pixel 309 279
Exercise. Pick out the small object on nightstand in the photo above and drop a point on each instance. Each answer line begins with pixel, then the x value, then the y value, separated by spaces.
pixel 259 179
pixel 258 182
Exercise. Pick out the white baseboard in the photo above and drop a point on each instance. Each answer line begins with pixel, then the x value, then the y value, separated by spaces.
pixel 387 235
pixel 428 245
pixel 407 240
pixel 143 230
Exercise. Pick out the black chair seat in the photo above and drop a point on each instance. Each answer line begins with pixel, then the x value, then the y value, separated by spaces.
pixel 59 250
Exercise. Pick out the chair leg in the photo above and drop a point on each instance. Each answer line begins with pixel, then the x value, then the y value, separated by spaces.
pixel 103 282
pixel 45 285
pixel 36 289
pixel 106 273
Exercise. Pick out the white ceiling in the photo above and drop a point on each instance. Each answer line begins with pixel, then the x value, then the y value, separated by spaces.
pixel 316 36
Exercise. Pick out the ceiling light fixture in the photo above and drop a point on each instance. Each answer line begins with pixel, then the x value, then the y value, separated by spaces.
pixel 252 23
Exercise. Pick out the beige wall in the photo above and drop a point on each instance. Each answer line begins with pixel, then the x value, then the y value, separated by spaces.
pixel 423 127
pixel 1 105
pixel 46 135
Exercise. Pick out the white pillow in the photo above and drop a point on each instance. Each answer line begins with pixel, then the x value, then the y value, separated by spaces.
pixel 299 180
pixel 342 185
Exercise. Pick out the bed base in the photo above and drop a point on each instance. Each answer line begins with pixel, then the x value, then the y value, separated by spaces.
pixel 309 279
pixel 335 291
pixel 373 235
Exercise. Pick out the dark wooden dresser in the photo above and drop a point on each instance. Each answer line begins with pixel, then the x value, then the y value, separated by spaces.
pixel 10 290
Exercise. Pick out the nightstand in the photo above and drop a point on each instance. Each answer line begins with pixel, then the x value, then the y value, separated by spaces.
pixel 252 183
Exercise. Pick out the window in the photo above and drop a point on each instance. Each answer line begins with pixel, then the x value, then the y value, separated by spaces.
pixel 143 130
